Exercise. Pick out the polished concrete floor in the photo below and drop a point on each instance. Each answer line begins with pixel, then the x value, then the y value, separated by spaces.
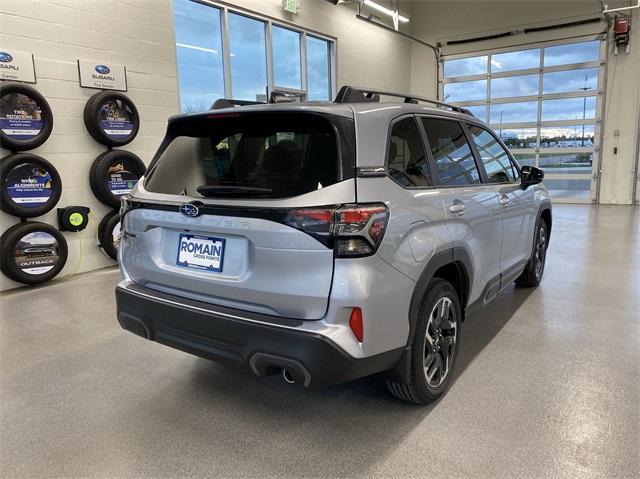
pixel 548 385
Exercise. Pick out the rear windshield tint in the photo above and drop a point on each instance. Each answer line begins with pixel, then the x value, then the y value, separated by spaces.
pixel 250 155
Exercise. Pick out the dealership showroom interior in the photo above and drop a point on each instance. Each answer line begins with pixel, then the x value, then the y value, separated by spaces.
pixel 320 238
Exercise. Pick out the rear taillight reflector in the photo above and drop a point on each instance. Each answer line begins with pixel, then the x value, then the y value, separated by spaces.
pixel 356 325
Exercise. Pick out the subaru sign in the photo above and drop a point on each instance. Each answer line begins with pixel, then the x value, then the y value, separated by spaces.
pixel 17 66
pixel 189 210
pixel 95 74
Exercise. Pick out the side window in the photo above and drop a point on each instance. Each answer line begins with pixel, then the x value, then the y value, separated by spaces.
pixel 494 157
pixel 451 152
pixel 407 162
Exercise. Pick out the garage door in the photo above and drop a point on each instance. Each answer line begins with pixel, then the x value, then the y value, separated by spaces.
pixel 545 102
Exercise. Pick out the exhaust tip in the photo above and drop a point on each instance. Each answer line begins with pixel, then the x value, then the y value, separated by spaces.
pixel 288 377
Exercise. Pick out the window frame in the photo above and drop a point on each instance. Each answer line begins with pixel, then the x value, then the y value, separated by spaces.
pixel 435 174
pixel 425 149
pixel 225 10
pixel 476 152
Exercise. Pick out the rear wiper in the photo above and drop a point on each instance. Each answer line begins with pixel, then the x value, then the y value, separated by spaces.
pixel 211 191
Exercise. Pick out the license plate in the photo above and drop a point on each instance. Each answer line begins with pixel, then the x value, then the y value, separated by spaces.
pixel 200 252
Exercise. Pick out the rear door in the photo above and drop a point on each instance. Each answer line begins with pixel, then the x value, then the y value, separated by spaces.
pixel 515 203
pixel 235 211
pixel 472 209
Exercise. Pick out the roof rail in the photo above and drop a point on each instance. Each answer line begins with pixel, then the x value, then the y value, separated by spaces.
pixel 228 103
pixel 350 94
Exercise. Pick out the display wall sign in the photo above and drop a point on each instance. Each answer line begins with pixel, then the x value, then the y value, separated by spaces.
pixel 105 76
pixel 17 66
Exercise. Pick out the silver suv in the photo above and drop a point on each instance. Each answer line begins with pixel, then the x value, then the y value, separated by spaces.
pixel 329 241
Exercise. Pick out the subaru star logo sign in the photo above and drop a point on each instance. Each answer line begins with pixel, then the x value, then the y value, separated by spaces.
pixel 189 210
pixel 103 69
pixel 5 57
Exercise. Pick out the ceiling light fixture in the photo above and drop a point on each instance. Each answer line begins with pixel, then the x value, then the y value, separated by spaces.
pixel 385 10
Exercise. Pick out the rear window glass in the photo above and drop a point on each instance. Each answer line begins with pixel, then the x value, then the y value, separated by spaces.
pixel 248 156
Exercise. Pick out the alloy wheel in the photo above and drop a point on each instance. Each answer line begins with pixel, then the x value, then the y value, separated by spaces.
pixel 440 342
pixel 541 251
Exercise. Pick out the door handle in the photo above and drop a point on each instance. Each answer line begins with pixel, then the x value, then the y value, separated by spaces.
pixel 457 208
pixel 504 200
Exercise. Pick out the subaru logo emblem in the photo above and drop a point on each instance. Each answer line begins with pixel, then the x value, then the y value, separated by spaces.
pixel 190 210
pixel 102 69
pixel 5 57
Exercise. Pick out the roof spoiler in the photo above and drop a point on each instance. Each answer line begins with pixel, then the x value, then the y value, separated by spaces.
pixel 276 96
pixel 350 94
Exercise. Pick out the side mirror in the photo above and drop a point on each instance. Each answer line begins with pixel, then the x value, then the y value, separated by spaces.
pixel 530 175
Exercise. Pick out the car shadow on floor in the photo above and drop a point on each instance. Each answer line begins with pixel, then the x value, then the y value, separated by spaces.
pixel 359 417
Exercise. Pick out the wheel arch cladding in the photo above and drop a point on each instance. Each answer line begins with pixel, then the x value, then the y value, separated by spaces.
pixel 453 265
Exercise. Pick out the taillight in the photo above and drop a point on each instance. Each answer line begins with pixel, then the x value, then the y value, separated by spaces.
pixel 353 230
pixel 359 229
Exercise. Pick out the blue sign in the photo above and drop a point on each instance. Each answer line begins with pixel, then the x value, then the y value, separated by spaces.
pixel 103 69
pixel 5 57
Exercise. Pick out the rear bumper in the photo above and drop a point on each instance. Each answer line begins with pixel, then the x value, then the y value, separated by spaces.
pixel 265 344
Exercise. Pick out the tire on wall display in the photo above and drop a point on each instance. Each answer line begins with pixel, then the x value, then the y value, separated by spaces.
pixel 111 118
pixel 31 186
pixel 109 234
pixel 113 174
pixel 26 120
pixel 32 253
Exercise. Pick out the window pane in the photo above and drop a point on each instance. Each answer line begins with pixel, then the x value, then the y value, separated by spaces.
pixel 465 66
pixel 495 159
pixel 525 159
pixel 452 153
pixel 524 85
pixel 521 112
pixel 569 109
pixel 286 58
pixel 465 91
pixel 407 161
pixel 318 57
pixel 267 155
pixel 562 163
pixel 572 80
pixel 479 111
pixel 520 60
pixel 248 58
pixel 519 138
pixel 199 55
pixel 573 189
pixel 574 136
pixel 572 53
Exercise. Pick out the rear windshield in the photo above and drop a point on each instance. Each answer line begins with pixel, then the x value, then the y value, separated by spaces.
pixel 250 155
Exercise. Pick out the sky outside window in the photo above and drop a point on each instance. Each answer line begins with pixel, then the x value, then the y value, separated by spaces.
pixel 199 55
pixel 248 58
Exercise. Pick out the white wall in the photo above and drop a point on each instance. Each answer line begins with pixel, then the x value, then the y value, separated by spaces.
pixel 139 34
pixel 439 21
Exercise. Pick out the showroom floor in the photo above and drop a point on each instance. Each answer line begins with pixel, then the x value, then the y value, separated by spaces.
pixel 547 385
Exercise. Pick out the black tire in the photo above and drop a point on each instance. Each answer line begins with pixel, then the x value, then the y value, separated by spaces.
pixel 418 389
pixel 28 166
pixel 37 266
pixel 10 93
pixel 96 114
pixel 106 234
pixel 103 178
pixel 533 272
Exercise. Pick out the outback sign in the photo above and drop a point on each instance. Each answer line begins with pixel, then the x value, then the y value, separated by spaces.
pixel 105 76
pixel 17 66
